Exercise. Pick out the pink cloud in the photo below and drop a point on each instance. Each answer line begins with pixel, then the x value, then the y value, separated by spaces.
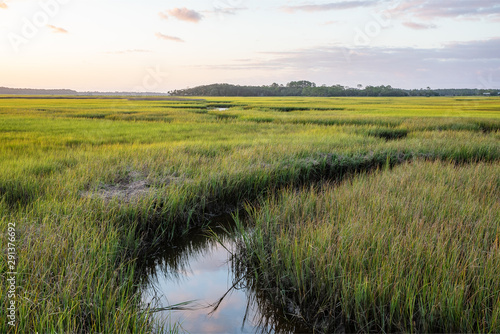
pixel 168 38
pixel 419 26
pixel 57 30
pixel 182 14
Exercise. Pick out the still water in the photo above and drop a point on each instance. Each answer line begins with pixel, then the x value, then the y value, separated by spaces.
pixel 199 269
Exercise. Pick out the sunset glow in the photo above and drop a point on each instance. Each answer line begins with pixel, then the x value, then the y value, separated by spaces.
pixel 160 46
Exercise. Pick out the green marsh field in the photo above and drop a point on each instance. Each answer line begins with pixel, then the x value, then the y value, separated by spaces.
pixel 364 214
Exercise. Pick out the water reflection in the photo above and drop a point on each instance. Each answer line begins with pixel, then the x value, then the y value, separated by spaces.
pixel 199 268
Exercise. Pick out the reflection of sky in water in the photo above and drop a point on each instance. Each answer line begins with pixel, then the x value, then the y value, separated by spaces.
pixel 206 279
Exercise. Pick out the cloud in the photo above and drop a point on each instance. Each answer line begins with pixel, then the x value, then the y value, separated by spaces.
pixel 329 6
pixel 3 5
pixel 453 65
pixel 128 51
pixel 182 14
pixel 221 10
pixel 169 38
pixel 421 9
pixel 419 26
pixel 227 10
pixel 327 23
pixel 431 9
pixel 57 30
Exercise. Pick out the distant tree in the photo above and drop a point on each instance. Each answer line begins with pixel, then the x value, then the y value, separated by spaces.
pixel 301 84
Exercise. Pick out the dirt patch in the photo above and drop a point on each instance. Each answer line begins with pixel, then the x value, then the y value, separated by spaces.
pixel 124 191
pixel 133 186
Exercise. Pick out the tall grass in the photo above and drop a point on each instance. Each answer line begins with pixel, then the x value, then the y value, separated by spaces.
pixel 413 249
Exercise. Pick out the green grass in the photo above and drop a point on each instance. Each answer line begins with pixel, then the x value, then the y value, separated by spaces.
pixel 68 169
pixel 413 249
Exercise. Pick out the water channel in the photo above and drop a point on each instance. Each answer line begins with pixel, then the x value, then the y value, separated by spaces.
pixel 199 269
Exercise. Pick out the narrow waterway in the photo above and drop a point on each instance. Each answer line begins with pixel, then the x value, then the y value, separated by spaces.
pixel 198 269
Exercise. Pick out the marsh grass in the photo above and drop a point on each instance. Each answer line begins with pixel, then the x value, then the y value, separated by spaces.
pixel 413 249
pixel 79 248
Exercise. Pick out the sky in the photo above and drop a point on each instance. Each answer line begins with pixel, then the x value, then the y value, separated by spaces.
pixel 153 45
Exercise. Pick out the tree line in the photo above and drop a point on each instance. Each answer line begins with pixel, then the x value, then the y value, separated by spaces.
pixel 307 88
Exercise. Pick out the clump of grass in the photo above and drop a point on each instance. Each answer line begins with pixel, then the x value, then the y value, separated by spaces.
pixel 15 192
pixel 489 125
pixel 289 108
pixel 415 249
pixel 388 133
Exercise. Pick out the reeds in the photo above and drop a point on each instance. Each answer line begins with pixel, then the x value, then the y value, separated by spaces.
pixel 413 249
